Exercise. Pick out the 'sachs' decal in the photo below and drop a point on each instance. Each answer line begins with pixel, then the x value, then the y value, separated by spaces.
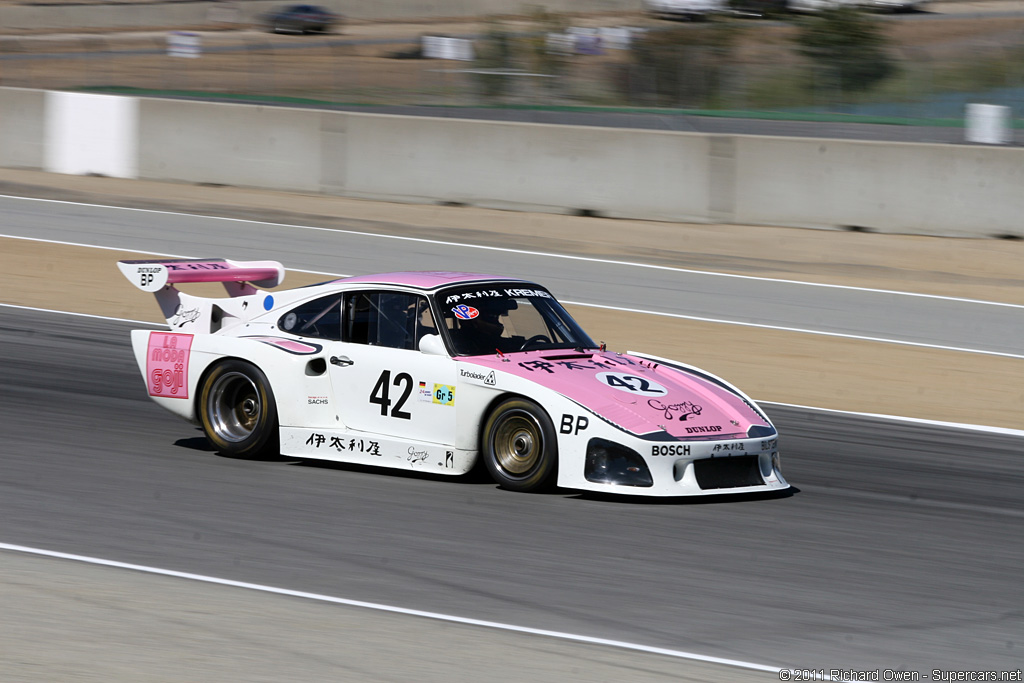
pixel 167 364
pixel 464 312
pixel 632 384
pixel 679 411
pixel 444 394
pixel 316 400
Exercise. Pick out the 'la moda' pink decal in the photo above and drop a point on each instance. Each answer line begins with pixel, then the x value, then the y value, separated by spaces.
pixel 167 364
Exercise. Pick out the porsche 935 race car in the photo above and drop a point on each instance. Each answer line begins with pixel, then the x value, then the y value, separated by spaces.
pixel 433 371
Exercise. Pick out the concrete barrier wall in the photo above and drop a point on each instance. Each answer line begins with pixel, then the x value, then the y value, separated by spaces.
pixel 907 188
pixel 965 190
pixel 171 15
pixel 231 144
pixel 615 172
pixel 22 127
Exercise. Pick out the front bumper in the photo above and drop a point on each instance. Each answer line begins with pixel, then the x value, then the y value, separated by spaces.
pixel 629 464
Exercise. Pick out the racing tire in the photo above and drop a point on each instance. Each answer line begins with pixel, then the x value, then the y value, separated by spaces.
pixel 520 448
pixel 238 412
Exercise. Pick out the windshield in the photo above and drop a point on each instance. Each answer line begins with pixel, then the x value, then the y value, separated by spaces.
pixel 490 318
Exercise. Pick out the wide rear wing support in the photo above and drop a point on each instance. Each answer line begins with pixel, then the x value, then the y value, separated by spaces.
pixel 160 276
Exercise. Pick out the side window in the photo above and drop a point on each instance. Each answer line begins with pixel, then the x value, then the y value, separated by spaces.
pixel 320 318
pixel 397 320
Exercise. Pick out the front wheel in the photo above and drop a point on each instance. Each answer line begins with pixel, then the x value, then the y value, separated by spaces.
pixel 237 410
pixel 519 445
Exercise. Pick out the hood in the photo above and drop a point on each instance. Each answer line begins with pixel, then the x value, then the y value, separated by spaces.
pixel 640 396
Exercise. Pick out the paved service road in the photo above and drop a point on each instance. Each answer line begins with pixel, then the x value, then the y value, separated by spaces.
pixel 913 319
pixel 901 548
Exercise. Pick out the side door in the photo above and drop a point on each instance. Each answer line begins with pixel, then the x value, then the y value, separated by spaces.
pixel 382 382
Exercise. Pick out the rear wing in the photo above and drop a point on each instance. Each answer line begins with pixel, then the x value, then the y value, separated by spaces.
pixel 153 275
pixel 201 314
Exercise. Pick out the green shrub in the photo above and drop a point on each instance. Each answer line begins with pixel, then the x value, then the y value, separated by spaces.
pixel 848 45
pixel 686 66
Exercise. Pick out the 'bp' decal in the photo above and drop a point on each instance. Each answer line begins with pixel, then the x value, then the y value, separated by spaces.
pixel 464 312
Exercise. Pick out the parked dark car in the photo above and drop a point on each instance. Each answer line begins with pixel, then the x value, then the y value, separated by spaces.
pixel 301 19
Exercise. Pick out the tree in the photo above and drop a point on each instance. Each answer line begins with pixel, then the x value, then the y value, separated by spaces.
pixel 686 66
pixel 849 44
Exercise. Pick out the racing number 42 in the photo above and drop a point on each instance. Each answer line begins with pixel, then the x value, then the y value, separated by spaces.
pixel 631 382
pixel 381 394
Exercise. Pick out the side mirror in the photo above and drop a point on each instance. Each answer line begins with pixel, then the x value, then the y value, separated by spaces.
pixel 432 345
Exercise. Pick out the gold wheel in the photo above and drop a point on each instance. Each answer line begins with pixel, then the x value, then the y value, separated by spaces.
pixel 519 445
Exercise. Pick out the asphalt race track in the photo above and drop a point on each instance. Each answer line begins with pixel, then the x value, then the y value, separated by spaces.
pixel 900 548
pixel 919 320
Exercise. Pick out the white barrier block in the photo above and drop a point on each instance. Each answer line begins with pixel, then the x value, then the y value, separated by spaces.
pixel 443 47
pixel 89 134
pixel 183 44
pixel 988 124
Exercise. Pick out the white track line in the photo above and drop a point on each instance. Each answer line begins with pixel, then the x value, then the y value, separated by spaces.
pixel 396 610
pixel 913 420
pixel 84 315
pixel 571 257
pixel 681 316
pixel 800 330
pixel 65 243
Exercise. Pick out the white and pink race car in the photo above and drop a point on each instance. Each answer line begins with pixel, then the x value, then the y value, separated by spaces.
pixel 434 371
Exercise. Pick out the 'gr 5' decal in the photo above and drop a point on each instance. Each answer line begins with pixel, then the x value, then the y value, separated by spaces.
pixel 633 384
pixel 381 394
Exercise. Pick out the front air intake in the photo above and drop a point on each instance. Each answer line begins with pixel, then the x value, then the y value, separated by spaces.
pixel 727 473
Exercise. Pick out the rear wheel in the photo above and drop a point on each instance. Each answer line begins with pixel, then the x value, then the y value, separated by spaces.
pixel 519 446
pixel 237 410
